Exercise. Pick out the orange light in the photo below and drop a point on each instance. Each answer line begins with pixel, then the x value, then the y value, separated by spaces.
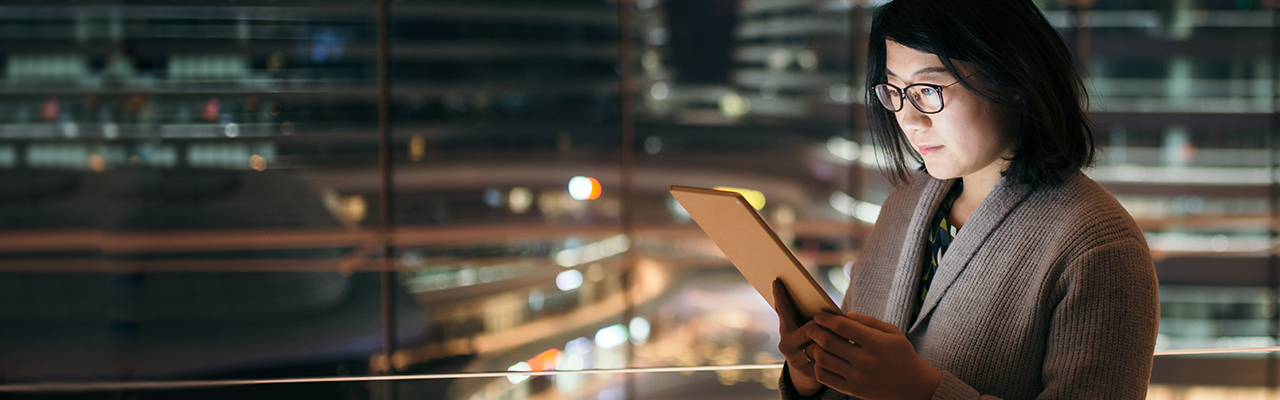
pixel 97 163
pixel 584 188
pixel 257 162
pixel 545 361
pixel 595 189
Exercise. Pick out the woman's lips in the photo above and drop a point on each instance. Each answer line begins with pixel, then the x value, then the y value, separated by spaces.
pixel 926 150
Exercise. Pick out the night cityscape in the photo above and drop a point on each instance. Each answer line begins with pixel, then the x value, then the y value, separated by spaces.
pixel 230 191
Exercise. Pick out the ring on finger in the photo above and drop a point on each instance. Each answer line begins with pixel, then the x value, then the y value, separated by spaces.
pixel 806 354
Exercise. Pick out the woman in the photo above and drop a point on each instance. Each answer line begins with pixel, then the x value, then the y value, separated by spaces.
pixel 1003 272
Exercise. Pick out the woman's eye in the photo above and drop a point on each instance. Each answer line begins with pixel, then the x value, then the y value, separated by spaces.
pixel 928 91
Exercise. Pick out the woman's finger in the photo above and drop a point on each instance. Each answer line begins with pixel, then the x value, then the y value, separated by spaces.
pixel 792 345
pixel 849 329
pixel 875 323
pixel 783 306
pixel 839 362
pixel 835 380
pixel 832 342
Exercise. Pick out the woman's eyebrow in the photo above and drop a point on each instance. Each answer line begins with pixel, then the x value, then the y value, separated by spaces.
pixel 922 71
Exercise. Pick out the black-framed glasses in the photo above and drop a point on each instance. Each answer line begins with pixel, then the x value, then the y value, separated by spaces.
pixel 924 96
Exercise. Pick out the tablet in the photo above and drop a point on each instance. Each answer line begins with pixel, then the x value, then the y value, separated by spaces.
pixel 753 248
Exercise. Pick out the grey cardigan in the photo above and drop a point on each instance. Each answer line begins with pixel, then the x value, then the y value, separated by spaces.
pixel 1044 294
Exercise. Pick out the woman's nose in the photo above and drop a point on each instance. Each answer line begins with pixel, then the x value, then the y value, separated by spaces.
pixel 911 119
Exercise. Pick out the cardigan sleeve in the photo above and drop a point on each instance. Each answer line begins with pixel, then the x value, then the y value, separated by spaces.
pixel 1102 332
pixel 789 392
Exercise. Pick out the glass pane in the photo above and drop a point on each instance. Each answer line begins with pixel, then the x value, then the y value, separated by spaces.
pixel 756 96
pixel 192 191
pixel 1183 97
pixel 506 120
pixel 165 203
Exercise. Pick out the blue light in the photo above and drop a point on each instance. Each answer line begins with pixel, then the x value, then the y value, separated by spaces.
pixel 327 45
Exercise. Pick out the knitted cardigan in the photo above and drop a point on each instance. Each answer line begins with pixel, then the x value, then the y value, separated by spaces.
pixel 1044 294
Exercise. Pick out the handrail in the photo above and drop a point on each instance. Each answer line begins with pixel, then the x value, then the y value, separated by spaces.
pixel 64 387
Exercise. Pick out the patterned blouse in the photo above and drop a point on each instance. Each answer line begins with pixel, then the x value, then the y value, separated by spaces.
pixel 939 240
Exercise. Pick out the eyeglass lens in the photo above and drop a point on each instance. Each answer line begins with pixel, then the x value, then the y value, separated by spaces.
pixel 926 98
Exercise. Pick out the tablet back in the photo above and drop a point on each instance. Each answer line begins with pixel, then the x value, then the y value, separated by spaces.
pixel 752 247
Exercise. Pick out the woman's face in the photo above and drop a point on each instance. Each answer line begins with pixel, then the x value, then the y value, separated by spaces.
pixel 969 136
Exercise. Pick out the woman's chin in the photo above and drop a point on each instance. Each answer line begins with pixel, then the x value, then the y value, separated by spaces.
pixel 941 174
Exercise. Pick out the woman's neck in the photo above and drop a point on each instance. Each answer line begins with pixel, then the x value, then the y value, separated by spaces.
pixel 976 188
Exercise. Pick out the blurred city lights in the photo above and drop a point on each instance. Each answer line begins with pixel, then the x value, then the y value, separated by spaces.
pixel 863 211
pixel 844 148
pixel 231 129
pixel 838 278
pixel 417 148
pixel 839 93
pixel 611 336
pixel 653 145
pixel 211 109
pixel 680 214
pixel 493 197
pixel 591 252
pixel 754 197
pixel 572 242
pixel 49 111
pixel 466 276
pixel 519 200
pixel 70 129
pixel 650 62
pixel 519 367
pixel 228 155
pixel 659 91
pixel 8 157
pixel 639 327
pixel 110 130
pixel 733 106
pixel 354 206
pixel 96 163
pixel 536 299
pixel 1206 242
pixel 1219 243
pixel 411 259
pixel 257 163
pixel 784 216
pixel 57 155
pixel 545 361
pixel 807 59
pixel 658 36
pixel 584 188
pixel 569 280
pixel 578 347
pixel 779 59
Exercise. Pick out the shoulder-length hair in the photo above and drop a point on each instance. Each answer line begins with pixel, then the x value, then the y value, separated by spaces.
pixel 1021 64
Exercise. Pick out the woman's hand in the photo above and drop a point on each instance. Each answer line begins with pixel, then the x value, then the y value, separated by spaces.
pixel 864 357
pixel 795 344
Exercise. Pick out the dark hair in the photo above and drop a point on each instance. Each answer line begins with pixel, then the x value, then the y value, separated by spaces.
pixel 1021 64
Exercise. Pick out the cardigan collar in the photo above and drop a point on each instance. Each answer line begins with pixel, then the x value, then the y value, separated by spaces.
pixel 1006 195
